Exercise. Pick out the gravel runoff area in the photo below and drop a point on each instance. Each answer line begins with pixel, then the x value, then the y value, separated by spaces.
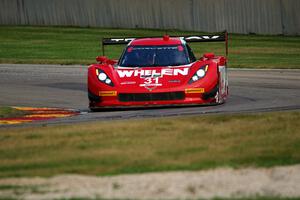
pixel 222 182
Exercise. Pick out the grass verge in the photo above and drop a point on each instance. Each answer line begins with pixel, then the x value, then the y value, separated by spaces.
pixel 136 146
pixel 258 198
pixel 10 112
pixel 69 45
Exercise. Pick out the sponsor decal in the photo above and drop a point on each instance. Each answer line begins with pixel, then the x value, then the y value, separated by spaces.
pixel 153 73
pixel 128 83
pixel 194 90
pixel 174 81
pixel 107 93
pixel 122 40
pixel 203 37
pixel 187 38
pixel 152 77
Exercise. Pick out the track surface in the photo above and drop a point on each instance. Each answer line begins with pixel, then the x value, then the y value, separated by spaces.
pixel 65 87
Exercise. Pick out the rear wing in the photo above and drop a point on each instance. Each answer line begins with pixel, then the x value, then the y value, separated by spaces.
pixel 218 37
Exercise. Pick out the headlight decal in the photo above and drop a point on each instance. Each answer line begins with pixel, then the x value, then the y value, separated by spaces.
pixel 103 77
pixel 200 73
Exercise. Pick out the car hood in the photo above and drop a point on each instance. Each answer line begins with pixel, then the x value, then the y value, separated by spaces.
pixel 151 77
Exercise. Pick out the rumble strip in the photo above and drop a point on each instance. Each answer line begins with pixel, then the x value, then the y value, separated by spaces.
pixel 38 114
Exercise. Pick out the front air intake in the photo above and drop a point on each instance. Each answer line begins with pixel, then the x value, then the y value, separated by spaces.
pixel 162 96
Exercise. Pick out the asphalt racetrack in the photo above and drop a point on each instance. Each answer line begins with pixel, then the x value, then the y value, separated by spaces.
pixel 65 87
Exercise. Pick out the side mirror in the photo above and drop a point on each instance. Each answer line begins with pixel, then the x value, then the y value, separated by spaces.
pixel 209 55
pixel 101 59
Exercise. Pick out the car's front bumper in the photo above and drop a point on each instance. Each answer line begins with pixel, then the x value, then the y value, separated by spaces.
pixel 110 99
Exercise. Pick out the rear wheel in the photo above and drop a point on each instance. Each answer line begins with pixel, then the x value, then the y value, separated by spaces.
pixel 222 85
pixel 217 96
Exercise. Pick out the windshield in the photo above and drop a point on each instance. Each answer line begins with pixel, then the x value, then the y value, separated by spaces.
pixel 146 56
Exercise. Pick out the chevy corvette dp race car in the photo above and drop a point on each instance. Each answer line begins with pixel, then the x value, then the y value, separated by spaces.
pixel 158 71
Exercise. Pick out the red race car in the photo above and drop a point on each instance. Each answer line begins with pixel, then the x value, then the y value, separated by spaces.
pixel 158 71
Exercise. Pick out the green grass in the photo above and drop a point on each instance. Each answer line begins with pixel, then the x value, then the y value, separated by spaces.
pixel 137 146
pixel 10 112
pixel 9 187
pixel 252 198
pixel 255 198
pixel 57 45
pixel 258 198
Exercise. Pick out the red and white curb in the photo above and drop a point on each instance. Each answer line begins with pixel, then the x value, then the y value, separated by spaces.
pixel 38 114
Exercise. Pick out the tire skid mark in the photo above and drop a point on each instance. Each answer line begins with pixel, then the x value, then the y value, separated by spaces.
pixel 38 114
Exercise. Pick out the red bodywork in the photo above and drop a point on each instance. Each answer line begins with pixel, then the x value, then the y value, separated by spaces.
pixel 159 85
